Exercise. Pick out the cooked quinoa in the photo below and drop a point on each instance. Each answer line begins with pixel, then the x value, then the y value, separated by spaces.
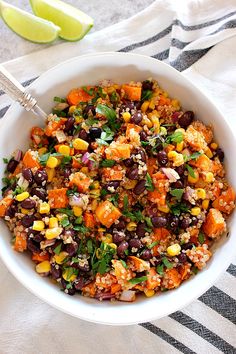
pixel 120 193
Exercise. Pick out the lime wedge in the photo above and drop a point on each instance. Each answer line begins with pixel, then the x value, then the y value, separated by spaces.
pixel 74 23
pixel 28 26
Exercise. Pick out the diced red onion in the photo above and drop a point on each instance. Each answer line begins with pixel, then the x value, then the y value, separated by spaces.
pixel 93 165
pixel 85 158
pixel 104 296
pixel 18 155
pixel 127 295
pixel 171 174
pixel 47 243
pixel 189 195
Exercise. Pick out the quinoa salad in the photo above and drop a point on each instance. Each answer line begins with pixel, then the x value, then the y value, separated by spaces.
pixel 120 193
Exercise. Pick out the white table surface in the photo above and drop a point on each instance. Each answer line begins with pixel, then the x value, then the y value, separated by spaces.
pixel 104 13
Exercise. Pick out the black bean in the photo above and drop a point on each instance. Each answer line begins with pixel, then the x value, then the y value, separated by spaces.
pixel 142 153
pixel 128 162
pixel 84 267
pixel 67 172
pixel 180 170
pixel 33 246
pixel 123 246
pixel 137 104
pixel 27 220
pixel 162 158
pixel 220 153
pixel 146 255
pixel 40 193
pixel 136 118
pixel 111 184
pixel 79 282
pixel 194 221
pixel 28 203
pixel 135 243
pixel 121 224
pixel 71 248
pixel 159 221
pixel 173 222
pixel 31 232
pixel 69 124
pixel 140 187
pixel 177 185
pixel 83 135
pixel 182 257
pixel 157 261
pixel 118 236
pixel 95 133
pixel 40 176
pixel 187 246
pixel 127 105
pixel 140 230
pixel 132 173
pixel 143 135
pixel 147 85
pixel 38 237
pixel 11 166
pixel 28 175
pixel 186 119
pixel 71 291
pixel 90 108
pixel 185 222
pixel 11 211
pixel 55 271
pixel 70 233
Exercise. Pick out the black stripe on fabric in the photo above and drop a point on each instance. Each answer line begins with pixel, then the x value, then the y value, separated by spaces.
pixel 222 303
pixel 152 39
pixel 188 58
pixel 165 336
pixel 162 55
pixel 3 111
pixel 227 25
pixel 232 270
pixel 202 25
pixel 178 44
pixel 24 84
pixel 203 332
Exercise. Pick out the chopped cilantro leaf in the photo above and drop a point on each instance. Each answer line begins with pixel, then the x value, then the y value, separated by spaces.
pixel 123 263
pixel 57 250
pixel 110 114
pixel 167 263
pixel 160 269
pixel 177 193
pixel 149 184
pixel 107 163
pixel 153 244
pixel 5 160
pixel 146 95
pixel 194 156
pixel 190 171
pixel 176 137
pixel 88 91
pixel 201 237
pixel 65 222
pixel 138 280
pixel 59 99
pixel 66 211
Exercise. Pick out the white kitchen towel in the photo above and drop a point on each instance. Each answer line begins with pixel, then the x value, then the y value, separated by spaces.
pixel 197 37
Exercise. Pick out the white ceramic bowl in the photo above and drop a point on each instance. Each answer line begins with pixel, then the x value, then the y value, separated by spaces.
pixel 14 132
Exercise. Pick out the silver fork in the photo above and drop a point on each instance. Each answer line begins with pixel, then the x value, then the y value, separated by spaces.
pixel 18 93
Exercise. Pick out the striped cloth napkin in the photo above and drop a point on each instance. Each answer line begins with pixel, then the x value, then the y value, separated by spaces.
pixel 196 37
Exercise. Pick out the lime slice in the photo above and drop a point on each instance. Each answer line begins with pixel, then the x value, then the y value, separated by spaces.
pixel 74 23
pixel 28 26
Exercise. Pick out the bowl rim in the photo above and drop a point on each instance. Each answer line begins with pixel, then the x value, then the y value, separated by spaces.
pixel 144 317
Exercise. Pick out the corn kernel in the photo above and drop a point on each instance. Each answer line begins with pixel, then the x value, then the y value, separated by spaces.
pixel 164 208
pixel 51 172
pixel 59 258
pixel 180 146
pixel 209 177
pixel 25 211
pixel 64 150
pixel 194 179
pixel 95 193
pixel 84 170
pixel 94 205
pixel 149 292
pixel 53 222
pixel 52 162
pixel 156 124
pixel 77 211
pixel 205 204
pixel 66 275
pixel 214 146
pixel 107 238
pixel 80 144
pixel 163 131
pixel 130 184
pixel 177 158
pixel 175 103
pixel 146 121
pixel 44 208
pixel 172 155
pixel 208 153
pixel 38 225
pixel 22 196
pixel 42 151
pixel 144 106
pixel 71 109
pixel 126 116
pixel 96 184
pixel 152 105
pixel 131 226
pixel 78 119
pixel 201 193
pixel 60 216
pixel 195 211
pixel 113 245
pixel 173 250
pixel 53 233
pixel 43 267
